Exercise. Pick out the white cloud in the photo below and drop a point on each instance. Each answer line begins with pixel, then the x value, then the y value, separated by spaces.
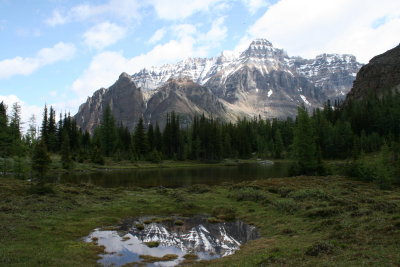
pixel 56 19
pixel 184 30
pixel 27 65
pixel 217 33
pixel 181 9
pixel 312 27
pixel 157 36
pixel 255 5
pixel 124 9
pixel 53 93
pixel 105 67
pixel 103 35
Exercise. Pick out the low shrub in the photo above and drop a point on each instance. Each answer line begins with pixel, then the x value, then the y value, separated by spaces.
pixel 284 191
pixel 286 205
pixel 321 247
pixel 323 212
pixel 309 194
pixel 248 194
pixel 224 213
pixel 198 189
pixel 40 189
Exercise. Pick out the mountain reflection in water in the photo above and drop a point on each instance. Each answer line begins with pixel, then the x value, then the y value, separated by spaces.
pixel 194 235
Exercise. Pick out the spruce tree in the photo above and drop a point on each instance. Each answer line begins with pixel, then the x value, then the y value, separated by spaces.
pixel 108 134
pixel 150 137
pixel 140 138
pixel 52 131
pixel 15 130
pixel 278 144
pixel 31 133
pixel 304 145
pixel 66 159
pixel 40 161
pixel 5 136
pixel 44 134
pixel 158 138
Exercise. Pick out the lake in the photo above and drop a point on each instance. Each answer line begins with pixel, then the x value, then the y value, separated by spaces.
pixel 177 177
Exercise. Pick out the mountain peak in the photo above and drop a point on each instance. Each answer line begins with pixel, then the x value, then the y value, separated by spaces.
pixel 125 75
pixel 262 48
pixel 261 42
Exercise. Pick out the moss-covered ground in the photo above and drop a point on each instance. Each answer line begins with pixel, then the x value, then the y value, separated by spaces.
pixel 304 221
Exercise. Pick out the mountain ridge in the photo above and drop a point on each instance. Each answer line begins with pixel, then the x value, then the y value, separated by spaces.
pixel 261 80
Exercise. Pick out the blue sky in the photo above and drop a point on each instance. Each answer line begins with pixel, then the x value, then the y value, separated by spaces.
pixel 59 52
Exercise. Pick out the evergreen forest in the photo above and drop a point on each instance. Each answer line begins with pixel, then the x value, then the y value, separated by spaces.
pixel 365 133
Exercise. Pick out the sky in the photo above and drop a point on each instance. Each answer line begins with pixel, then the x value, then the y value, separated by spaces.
pixel 58 52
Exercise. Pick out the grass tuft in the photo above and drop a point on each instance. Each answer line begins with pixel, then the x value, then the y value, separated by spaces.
pixel 151 259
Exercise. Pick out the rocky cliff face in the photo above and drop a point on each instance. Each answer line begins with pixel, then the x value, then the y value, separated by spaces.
pixel 124 98
pixel 333 74
pixel 380 75
pixel 262 80
pixel 186 98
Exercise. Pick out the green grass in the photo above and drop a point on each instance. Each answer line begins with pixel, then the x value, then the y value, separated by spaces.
pixel 304 221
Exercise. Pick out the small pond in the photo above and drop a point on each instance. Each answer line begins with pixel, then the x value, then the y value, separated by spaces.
pixel 156 241
pixel 177 177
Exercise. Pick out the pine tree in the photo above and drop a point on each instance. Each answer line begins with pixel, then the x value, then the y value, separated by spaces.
pixel 52 131
pixel 304 145
pixel 15 130
pixel 66 159
pixel 150 137
pixel 44 134
pixel 278 144
pixel 140 138
pixel 31 133
pixel 15 122
pixel 40 160
pixel 158 138
pixel 5 136
pixel 108 134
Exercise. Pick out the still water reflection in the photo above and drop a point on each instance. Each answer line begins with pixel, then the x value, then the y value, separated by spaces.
pixel 176 177
pixel 194 236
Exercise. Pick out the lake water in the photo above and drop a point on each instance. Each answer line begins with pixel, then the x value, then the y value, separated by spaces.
pixel 175 236
pixel 176 177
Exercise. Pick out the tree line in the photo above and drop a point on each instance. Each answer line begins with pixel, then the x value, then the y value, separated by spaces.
pixel 339 131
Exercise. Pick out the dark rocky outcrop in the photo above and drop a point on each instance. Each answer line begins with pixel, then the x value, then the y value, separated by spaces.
pixel 379 76
pixel 124 98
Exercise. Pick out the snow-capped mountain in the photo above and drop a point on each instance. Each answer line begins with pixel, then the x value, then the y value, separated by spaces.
pixel 262 80
pixel 261 54
pixel 332 73
pixel 326 71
